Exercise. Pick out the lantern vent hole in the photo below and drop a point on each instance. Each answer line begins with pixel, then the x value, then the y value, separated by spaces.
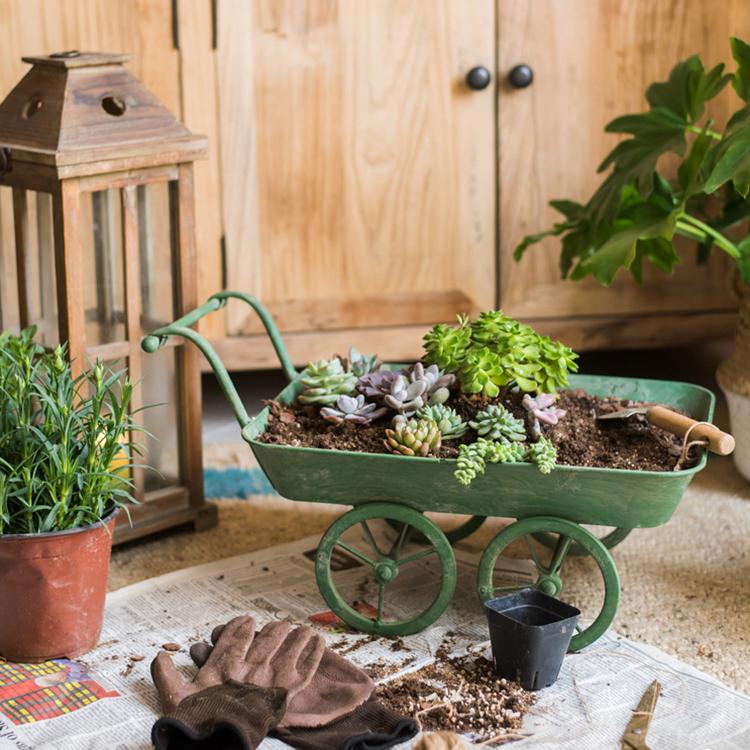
pixel 114 105
pixel 32 106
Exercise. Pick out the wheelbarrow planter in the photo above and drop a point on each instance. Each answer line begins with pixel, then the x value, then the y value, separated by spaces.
pixel 400 490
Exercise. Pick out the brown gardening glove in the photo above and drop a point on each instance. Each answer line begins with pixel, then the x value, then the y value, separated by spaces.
pixel 240 692
pixel 336 689
pixel 372 726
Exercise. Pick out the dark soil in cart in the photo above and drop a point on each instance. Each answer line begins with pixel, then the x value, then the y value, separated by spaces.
pixel 581 440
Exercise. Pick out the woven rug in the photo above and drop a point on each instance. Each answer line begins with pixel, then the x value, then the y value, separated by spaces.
pixel 685 585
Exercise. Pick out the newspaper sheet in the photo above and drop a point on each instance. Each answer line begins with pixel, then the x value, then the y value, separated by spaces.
pixel 106 700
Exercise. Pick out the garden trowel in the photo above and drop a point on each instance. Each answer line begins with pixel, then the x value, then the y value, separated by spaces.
pixel 719 442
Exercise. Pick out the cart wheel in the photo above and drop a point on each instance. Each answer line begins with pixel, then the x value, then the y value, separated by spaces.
pixel 549 579
pixel 386 566
pixel 610 540
pixel 454 535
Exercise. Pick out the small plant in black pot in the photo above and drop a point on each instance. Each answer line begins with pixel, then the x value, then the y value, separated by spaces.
pixel 530 633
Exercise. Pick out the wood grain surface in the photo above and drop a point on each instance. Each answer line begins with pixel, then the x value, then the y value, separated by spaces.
pixel 364 165
pixel 592 61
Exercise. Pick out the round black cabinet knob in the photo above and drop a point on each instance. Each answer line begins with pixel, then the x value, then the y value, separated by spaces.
pixel 478 78
pixel 520 76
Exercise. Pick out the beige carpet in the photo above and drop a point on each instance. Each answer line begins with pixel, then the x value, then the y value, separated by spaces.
pixel 685 585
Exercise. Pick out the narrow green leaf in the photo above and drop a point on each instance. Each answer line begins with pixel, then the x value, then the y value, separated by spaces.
pixel 741 77
pixel 533 239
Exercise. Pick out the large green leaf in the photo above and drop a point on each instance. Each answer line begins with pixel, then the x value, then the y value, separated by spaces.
pixel 619 251
pixel 687 89
pixel 729 159
pixel 741 78
pixel 659 250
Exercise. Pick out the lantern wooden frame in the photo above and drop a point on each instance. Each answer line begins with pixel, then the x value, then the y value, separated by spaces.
pixel 79 123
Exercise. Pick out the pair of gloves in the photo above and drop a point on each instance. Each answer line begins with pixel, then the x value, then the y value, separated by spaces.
pixel 282 681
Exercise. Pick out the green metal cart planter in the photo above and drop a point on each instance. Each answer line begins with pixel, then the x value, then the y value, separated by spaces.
pixel 400 490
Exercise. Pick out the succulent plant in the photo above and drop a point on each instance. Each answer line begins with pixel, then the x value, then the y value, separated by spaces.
pixel 494 351
pixel 445 345
pixel 359 364
pixel 542 453
pixel 542 408
pixel 497 423
pixel 325 381
pixel 473 459
pixel 378 383
pixel 406 397
pixel 416 437
pixel 438 383
pixel 448 420
pixel 352 409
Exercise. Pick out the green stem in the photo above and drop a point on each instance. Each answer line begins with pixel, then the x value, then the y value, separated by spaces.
pixel 711 133
pixel 721 241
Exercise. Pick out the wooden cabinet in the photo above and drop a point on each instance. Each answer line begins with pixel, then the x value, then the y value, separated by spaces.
pixel 361 189
pixel 592 61
pixel 359 192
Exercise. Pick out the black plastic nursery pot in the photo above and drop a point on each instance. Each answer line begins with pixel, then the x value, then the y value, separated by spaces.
pixel 530 633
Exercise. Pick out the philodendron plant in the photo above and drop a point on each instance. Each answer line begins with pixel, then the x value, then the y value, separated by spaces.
pixel 66 443
pixel 637 211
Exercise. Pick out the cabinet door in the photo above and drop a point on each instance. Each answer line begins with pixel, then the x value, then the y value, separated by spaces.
pixel 357 166
pixel 592 60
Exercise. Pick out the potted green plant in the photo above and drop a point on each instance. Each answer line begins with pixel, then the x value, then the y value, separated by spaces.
pixel 636 213
pixel 66 448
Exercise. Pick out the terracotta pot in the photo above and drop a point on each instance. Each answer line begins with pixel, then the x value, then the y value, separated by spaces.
pixel 52 589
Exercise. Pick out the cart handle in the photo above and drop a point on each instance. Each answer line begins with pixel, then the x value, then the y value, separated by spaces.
pixel 181 327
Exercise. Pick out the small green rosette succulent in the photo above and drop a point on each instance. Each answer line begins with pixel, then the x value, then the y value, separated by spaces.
pixel 497 423
pixel 448 420
pixel 325 381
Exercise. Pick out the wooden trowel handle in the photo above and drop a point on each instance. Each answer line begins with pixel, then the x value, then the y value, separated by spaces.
pixel 719 442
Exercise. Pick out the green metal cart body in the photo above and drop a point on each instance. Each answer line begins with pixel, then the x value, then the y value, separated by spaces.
pixel 399 490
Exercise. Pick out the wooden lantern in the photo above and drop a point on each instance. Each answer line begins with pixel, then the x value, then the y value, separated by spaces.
pixel 103 207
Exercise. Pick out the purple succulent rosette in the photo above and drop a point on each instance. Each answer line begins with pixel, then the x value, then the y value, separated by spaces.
pixel 354 409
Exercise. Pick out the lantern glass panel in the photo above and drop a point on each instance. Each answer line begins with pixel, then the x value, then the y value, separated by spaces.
pixel 156 244
pixel 159 386
pixel 103 267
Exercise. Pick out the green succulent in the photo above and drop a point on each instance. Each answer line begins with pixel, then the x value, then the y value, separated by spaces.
pixel 544 454
pixel 497 423
pixel 448 420
pixel 473 459
pixel 495 351
pixel 417 437
pixel 445 345
pixel 325 381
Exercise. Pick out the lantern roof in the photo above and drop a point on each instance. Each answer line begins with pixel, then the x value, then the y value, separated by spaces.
pixel 74 108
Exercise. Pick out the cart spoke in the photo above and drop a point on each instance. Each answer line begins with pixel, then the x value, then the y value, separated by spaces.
pixel 381 600
pixel 395 552
pixel 579 629
pixel 560 553
pixel 534 557
pixel 356 553
pixel 371 539
pixel 416 556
